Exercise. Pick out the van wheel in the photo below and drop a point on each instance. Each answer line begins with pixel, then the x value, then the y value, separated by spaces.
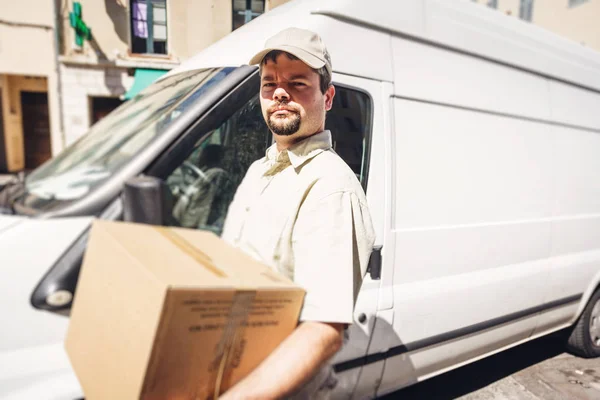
pixel 585 337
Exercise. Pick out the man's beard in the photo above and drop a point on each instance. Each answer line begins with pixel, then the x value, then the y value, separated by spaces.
pixel 284 126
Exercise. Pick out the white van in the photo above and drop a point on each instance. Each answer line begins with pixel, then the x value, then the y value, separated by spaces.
pixel 475 135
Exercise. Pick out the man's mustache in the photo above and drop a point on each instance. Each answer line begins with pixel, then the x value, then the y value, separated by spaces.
pixel 282 105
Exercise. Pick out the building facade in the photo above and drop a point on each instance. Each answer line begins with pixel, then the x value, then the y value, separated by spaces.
pixel 64 64
pixel 578 20
pixel 29 105
pixel 132 43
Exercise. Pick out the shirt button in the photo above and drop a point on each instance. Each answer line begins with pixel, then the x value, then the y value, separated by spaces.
pixel 247 209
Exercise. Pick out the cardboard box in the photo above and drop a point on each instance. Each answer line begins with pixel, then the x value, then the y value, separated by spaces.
pixel 170 313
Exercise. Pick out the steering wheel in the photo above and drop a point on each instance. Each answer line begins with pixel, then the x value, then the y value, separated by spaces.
pixel 190 174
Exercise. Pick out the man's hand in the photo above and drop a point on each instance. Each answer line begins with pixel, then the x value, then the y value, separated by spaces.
pixel 296 360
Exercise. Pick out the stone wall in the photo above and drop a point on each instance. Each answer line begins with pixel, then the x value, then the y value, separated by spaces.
pixel 79 83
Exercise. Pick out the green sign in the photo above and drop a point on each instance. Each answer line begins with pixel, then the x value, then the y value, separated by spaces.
pixel 82 31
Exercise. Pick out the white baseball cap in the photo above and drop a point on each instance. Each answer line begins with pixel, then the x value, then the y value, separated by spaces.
pixel 304 44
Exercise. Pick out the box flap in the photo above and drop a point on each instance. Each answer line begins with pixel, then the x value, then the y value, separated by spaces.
pixel 183 258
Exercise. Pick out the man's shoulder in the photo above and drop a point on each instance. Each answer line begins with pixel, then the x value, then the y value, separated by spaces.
pixel 332 174
pixel 329 163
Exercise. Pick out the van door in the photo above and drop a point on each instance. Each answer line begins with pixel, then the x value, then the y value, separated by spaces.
pixel 359 122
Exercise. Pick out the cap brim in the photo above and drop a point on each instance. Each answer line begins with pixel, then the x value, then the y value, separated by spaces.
pixel 303 55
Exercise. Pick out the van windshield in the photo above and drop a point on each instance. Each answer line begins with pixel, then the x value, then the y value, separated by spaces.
pixel 117 138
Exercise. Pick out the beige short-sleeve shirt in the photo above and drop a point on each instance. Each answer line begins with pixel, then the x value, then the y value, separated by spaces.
pixel 303 212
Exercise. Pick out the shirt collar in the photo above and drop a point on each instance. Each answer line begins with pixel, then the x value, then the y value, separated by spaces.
pixel 303 151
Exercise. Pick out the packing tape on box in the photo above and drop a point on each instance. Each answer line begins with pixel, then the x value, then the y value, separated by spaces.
pixel 233 333
pixel 190 250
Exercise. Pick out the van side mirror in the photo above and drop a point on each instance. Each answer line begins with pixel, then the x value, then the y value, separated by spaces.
pixel 147 200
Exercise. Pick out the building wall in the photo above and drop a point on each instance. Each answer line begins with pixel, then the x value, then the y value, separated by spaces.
pixel 509 7
pixel 27 50
pixel 271 4
pixel 26 37
pixel 109 23
pixel 580 23
pixel 104 67
pixel 192 25
pixel 32 11
pixel 79 83
pixel 196 24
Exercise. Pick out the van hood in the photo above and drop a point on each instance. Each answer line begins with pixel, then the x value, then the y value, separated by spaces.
pixel 31 346
pixel 8 221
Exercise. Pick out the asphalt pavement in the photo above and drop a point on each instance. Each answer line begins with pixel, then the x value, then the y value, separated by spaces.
pixel 538 370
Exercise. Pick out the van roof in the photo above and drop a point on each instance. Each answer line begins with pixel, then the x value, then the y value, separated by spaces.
pixel 357 35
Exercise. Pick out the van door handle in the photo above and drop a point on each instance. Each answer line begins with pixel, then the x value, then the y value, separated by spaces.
pixel 374 267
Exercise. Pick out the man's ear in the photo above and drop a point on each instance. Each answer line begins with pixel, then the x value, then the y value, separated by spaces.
pixel 329 95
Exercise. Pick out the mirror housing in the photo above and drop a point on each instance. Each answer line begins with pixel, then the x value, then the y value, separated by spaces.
pixel 147 200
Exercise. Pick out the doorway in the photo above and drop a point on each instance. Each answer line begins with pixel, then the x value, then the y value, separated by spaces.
pixel 36 128
pixel 102 106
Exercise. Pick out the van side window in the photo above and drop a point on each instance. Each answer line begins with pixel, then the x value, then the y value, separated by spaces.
pixel 204 184
pixel 349 121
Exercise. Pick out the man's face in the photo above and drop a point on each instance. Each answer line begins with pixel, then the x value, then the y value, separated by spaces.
pixel 291 98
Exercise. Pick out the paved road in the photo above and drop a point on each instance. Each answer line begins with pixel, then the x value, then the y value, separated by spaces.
pixel 538 370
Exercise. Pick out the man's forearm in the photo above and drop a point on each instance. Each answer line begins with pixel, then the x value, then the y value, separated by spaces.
pixel 292 364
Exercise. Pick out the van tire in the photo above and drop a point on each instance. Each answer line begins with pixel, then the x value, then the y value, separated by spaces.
pixel 581 343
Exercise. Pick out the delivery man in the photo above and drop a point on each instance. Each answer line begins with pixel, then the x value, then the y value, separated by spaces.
pixel 301 210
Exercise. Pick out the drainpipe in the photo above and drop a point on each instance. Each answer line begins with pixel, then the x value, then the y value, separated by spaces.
pixel 57 41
